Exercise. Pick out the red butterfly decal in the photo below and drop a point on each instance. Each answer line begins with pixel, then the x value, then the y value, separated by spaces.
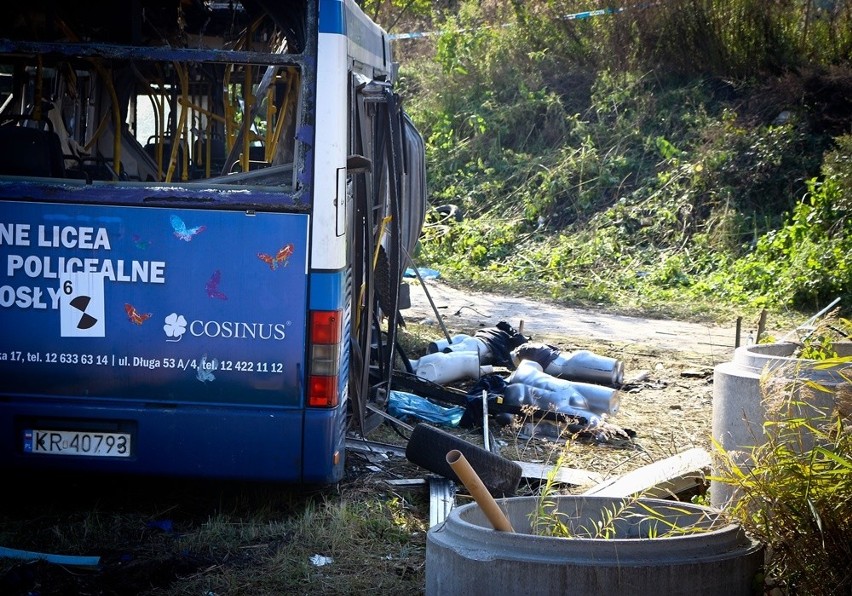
pixel 135 317
pixel 280 259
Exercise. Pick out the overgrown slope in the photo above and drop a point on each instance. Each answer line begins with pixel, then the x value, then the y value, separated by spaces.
pixel 687 156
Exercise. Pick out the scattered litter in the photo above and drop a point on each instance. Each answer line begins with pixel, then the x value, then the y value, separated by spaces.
pixel 425 273
pixel 642 375
pixel 541 430
pixel 639 386
pixel 562 474
pixel 70 560
pixel 442 498
pixel 459 311
pixel 386 416
pixel 501 340
pixel 493 385
pixel 671 476
pixel 164 525
pixel 696 374
pixel 555 432
pixel 321 560
pixel 405 405
pixel 447 367
pixel 376 452
pixel 405 482
pixel 580 365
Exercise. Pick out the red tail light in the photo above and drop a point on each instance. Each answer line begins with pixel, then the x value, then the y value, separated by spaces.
pixel 325 334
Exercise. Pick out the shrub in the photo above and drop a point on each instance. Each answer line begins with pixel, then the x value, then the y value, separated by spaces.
pixel 795 490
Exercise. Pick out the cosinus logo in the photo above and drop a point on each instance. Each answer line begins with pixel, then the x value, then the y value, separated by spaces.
pixel 176 325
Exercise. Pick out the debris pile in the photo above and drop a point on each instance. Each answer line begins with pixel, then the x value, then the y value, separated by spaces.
pixel 500 376
pixel 581 387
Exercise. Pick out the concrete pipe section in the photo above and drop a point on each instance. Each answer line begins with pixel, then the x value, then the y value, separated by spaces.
pixel 706 556
pixel 739 388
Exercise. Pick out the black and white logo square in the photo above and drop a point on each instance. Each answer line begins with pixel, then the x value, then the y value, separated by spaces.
pixel 81 306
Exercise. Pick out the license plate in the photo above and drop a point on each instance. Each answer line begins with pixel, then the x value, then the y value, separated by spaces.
pixel 64 442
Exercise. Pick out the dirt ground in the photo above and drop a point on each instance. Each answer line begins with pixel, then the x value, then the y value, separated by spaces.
pixel 667 396
pixel 466 309
pixel 666 404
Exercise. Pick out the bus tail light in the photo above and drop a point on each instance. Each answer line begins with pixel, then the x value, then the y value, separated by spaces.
pixel 325 333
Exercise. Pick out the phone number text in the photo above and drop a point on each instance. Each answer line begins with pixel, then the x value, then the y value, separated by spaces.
pixel 198 364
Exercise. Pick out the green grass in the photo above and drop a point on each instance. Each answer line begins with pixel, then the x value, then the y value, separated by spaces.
pixel 591 165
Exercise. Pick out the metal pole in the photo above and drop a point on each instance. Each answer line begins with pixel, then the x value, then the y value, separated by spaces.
pixel 429 297
pixel 812 319
pixel 485 435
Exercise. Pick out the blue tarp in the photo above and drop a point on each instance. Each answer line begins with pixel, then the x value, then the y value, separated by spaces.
pixel 424 272
pixel 404 405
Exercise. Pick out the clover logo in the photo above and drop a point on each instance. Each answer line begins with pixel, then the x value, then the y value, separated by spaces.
pixel 175 326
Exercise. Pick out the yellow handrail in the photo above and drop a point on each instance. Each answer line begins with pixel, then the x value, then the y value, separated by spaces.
pixel 116 112
pixel 179 129
pixel 249 102
pixel 292 79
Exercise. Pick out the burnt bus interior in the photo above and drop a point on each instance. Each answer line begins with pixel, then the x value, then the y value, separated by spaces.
pixel 153 91
pixel 194 95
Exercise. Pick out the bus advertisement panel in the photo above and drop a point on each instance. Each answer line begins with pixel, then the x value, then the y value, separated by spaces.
pixel 129 302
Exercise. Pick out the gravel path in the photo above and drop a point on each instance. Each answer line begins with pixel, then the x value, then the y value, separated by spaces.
pixel 464 309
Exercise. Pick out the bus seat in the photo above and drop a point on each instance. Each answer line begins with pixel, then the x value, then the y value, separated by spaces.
pixel 26 151
pixel 151 149
pixel 218 153
pixel 257 153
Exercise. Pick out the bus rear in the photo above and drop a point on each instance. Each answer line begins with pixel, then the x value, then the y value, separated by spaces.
pixel 163 306
pixel 147 338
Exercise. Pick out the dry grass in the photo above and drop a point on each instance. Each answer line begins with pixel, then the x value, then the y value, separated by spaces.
pixel 164 537
pixel 161 536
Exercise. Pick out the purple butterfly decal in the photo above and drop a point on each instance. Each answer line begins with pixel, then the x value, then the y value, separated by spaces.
pixel 212 286
pixel 182 232
pixel 142 244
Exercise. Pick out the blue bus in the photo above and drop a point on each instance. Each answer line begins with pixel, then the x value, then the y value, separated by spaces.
pixel 205 212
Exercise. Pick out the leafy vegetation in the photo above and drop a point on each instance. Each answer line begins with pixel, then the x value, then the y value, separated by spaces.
pixel 794 491
pixel 688 156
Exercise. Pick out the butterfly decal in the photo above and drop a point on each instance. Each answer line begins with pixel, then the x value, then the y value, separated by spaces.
pixel 182 232
pixel 280 259
pixel 135 317
pixel 202 372
pixel 212 286
pixel 139 243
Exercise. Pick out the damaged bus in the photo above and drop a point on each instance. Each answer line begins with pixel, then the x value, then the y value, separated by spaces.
pixel 206 209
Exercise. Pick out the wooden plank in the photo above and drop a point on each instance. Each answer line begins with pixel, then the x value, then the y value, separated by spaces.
pixel 405 482
pixel 564 474
pixel 660 479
